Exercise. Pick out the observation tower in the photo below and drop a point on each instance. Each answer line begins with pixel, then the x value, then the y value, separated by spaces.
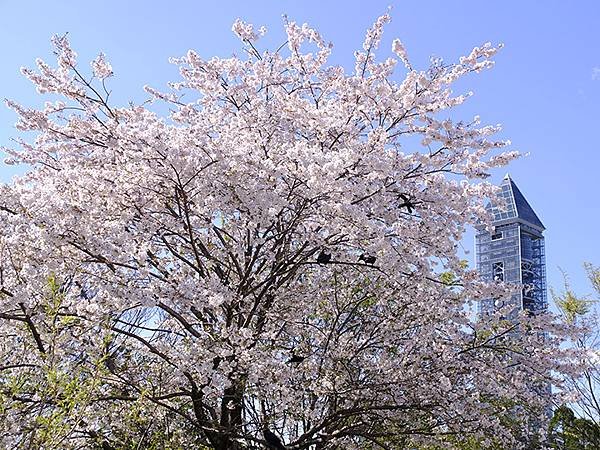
pixel 514 251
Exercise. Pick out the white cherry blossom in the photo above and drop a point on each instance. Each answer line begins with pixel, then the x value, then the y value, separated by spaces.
pixel 269 255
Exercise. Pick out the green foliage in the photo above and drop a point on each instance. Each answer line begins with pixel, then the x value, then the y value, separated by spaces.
pixel 65 395
pixel 593 274
pixel 447 278
pixel 571 305
pixel 568 432
pixel 450 278
pixel 55 297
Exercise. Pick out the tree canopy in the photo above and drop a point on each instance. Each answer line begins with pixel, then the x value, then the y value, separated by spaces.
pixel 262 266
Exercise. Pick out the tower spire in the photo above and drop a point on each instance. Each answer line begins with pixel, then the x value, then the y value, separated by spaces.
pixel 515 207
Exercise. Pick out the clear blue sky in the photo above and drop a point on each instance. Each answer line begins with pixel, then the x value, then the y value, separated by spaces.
pixel 545 88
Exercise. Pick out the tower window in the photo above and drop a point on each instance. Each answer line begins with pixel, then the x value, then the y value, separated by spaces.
pixel 498 271
pixel 497 235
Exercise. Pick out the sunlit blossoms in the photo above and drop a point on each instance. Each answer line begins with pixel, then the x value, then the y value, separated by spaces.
pixel 101 67
pixel 276 261
pixel 245 31
pixel 400 51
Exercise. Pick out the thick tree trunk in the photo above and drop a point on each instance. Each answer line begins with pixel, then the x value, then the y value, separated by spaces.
pixel 231 414
pixel 230 422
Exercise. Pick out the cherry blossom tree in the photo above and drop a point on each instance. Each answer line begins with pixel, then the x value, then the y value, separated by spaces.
pixel 263 266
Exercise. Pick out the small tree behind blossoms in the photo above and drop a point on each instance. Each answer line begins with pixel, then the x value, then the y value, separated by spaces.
pixel 582 309
pixel 261 267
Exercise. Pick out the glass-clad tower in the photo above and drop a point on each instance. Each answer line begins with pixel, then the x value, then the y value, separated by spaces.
pixel 514 251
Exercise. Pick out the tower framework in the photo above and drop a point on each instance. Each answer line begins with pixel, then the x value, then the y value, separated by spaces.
pixel 513 251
